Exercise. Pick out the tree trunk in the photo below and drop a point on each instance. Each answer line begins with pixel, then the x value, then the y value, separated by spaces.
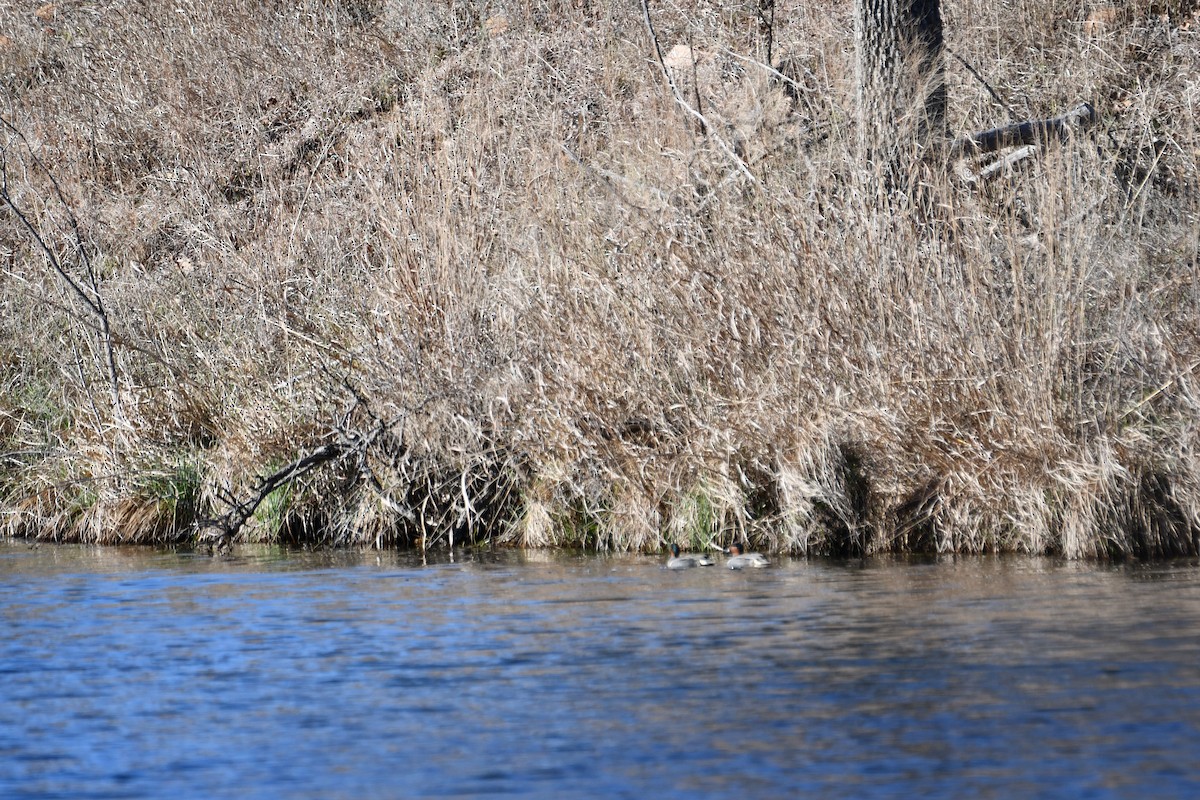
pixel 901 85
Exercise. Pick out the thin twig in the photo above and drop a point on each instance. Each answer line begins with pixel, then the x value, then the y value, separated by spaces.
pixel 1159 391
pixel 609 178
pixel 686 107
pixel 91 297
pixel 974 73
pixel 769 23
pixel 772 71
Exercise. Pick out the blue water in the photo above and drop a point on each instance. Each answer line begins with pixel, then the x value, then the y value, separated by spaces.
pixel 134 673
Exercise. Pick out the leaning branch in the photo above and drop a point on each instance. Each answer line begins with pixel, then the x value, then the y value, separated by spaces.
pixel 220 531
pixel 86 290
pixel 1032 132
pixel 705 127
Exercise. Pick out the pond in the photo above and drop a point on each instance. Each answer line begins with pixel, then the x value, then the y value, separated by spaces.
pixel 141 673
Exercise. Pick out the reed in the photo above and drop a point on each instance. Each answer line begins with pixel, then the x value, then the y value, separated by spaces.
pixel 489 260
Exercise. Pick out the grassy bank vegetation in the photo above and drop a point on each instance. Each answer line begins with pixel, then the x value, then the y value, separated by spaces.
pixel 479 250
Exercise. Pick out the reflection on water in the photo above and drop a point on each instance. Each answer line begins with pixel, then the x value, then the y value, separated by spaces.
pixel 147 674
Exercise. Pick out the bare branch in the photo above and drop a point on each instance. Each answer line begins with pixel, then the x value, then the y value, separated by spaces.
pixel 220 531
pixel 1081 117
pixel 705 126
pixel 975 74
pixel 88 295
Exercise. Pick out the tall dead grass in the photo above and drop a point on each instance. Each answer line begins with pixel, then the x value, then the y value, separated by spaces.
pixel 484 250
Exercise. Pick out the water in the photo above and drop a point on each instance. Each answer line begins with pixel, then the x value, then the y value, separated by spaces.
pixel 149 674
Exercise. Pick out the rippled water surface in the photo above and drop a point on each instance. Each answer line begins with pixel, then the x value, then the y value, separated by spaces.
pixel 266 674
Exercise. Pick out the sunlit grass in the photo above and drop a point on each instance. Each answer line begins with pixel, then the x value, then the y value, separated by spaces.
pixel 542 307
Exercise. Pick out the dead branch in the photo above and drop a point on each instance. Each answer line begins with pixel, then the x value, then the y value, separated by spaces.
pixel 1002 165
pixel 219 532
pixel 705 127
pixel 87 289
pixel 1082 117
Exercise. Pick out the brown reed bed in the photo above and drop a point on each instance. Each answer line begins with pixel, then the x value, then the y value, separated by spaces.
pixel 455 274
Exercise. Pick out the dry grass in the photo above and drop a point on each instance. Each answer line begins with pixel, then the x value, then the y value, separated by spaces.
pixel 566 313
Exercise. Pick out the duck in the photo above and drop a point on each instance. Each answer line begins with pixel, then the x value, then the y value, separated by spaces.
pixel 741 560
pixel 687 562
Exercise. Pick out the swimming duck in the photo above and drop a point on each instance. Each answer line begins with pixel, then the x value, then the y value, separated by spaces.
pixel 739 560
pixel 688 561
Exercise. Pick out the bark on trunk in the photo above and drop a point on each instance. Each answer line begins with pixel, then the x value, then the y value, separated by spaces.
pixel 901 86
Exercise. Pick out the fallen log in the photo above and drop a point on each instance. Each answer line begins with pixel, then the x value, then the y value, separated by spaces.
pixel 1031 132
